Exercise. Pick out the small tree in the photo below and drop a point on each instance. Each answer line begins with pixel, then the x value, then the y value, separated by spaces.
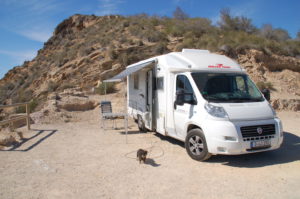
pixel 245 24
pixel 226 22
pixel 239 23
pixel 266 31
pixel 180 14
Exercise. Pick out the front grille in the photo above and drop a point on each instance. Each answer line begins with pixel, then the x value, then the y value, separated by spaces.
pixel 251 131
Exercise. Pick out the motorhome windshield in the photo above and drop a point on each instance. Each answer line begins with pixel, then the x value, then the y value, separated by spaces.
pixel 227 87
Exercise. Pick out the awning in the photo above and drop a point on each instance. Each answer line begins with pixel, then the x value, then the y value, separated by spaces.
pixel 129 70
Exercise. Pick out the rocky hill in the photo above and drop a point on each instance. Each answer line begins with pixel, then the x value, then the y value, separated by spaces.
pixel 86 49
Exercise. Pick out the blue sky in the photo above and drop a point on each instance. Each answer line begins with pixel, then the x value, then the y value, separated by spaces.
pixel 26 24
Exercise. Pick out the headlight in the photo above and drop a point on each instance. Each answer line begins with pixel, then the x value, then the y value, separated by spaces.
pixel 216 111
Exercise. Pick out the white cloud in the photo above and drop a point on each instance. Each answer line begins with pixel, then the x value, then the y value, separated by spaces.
pixel 31 18
pixel 33 7
pixel 20 56
pixel 247 9
pixel 107 7
pixel 36 33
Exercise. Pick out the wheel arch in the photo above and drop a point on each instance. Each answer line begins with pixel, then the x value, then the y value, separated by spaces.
pixel 192 126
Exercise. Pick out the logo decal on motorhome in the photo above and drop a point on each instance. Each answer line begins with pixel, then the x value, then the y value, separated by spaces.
pixel 218 66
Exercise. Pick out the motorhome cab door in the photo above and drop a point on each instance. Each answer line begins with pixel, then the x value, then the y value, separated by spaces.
pixel 182 113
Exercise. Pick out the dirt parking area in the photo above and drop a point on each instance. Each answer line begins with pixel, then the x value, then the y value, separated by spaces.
pixel 80 160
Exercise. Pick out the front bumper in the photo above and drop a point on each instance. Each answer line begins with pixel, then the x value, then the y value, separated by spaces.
pixel 225 137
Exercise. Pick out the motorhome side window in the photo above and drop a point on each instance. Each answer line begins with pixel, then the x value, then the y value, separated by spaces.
pixel 160 83
pixel 183 83
pixel 136 81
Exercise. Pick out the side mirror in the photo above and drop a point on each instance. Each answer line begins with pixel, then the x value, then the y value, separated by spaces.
pixel 180 98
pixel 266 93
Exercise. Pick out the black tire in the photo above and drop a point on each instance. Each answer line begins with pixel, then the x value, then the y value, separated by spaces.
pixel 195 145
pixel 141 124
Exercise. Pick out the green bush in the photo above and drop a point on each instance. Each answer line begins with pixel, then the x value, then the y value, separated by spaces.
pixel 154 36
pixel 9 86
pixel 52 86
pixel 67 85
pixel 22 96
pixel 161 48
pixel 135 30
pixel 112 53
pixel 176 30
pixel 3 93
pixel 123 59
pixel 32 106
pixel 268 85
pixel 110 88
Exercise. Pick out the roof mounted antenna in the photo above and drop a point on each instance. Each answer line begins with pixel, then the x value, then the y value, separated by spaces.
pixel 187 50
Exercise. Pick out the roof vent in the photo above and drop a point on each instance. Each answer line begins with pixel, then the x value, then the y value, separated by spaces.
pixel 186 50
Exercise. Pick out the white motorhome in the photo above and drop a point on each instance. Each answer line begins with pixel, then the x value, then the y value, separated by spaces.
pixel 203 99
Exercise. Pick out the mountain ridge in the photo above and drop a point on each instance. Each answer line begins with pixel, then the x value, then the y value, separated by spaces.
pixel 86 49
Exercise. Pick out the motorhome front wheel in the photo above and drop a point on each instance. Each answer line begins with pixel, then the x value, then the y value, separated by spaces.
pixel 196 146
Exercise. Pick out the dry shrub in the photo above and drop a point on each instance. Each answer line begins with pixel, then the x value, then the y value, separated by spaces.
pixel 110 88
pixel 89 105
pixel 9 141
pixel 67 86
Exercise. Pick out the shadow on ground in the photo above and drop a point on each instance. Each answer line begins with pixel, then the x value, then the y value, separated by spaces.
pixel 151 162
pixel 288 152
pixel 169 139
pixel 132 132
pixel 45 133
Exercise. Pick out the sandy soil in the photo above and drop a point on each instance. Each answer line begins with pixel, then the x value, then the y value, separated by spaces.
pixel 80 160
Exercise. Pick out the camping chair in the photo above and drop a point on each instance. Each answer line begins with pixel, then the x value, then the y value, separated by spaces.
pixel 106 111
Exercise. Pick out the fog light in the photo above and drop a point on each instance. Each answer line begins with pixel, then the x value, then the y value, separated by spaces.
pixel 221 149
pixel 229 138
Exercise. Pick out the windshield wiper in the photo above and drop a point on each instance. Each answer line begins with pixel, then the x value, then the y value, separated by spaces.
pixel 215 99
pixel 257 99
pixel 245 99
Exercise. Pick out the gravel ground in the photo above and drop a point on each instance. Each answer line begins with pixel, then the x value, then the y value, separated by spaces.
pixel 80 160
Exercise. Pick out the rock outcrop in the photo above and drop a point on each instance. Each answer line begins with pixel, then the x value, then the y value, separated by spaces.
pixel 61 107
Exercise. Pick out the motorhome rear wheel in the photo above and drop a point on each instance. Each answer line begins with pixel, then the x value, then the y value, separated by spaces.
pixel 141 124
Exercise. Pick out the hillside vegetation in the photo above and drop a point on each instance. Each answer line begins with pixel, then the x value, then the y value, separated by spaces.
pixel 85 49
